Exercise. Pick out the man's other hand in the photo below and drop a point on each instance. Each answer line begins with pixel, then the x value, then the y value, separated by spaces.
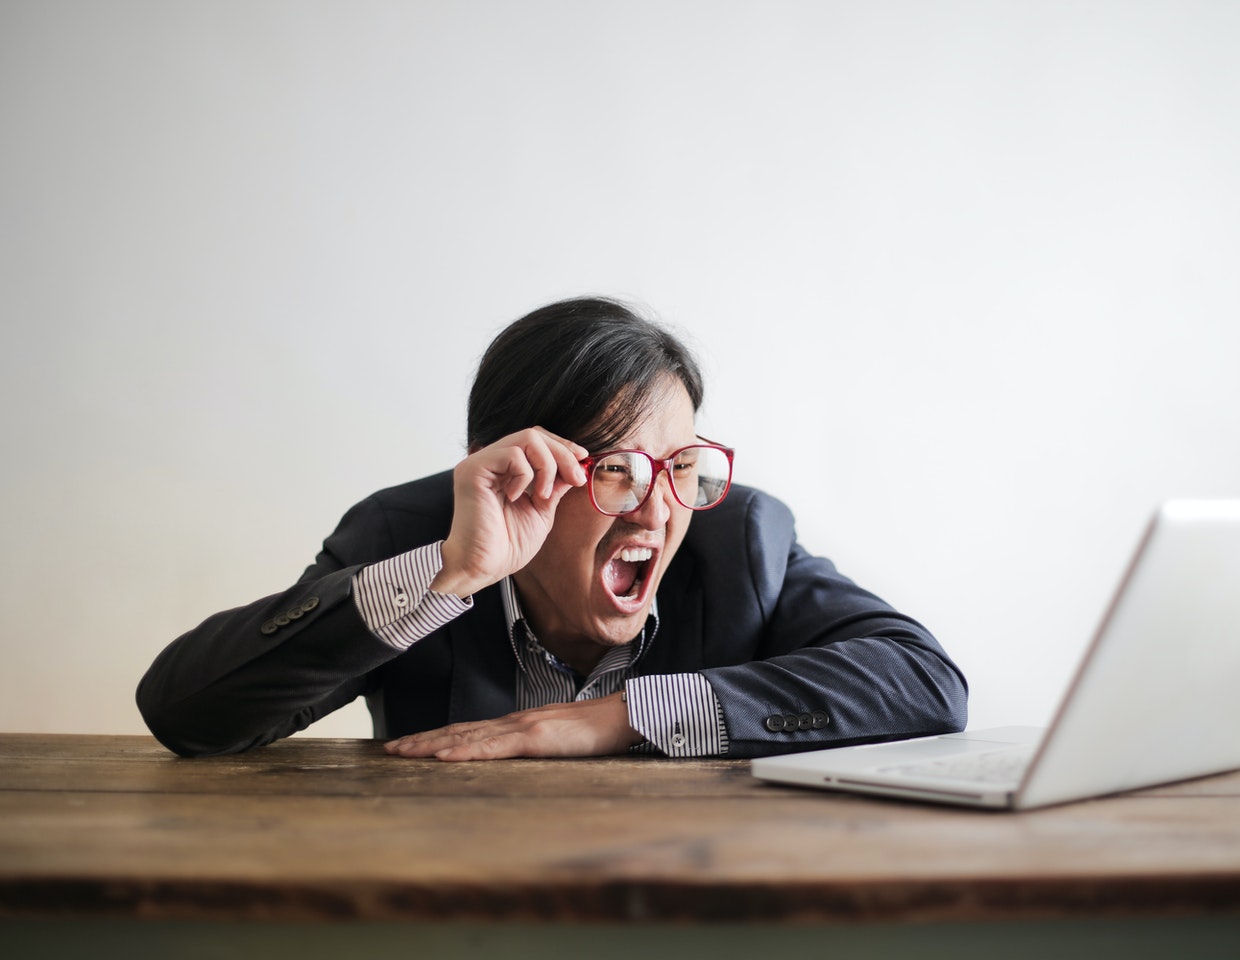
pixel 585 728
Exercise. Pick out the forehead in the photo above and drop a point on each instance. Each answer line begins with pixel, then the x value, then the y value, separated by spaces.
pixel 666 421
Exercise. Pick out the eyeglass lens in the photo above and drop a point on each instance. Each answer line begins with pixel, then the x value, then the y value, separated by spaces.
pixel 699 476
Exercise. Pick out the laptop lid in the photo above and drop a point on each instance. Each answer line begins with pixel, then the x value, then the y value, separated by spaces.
pixel 1156 697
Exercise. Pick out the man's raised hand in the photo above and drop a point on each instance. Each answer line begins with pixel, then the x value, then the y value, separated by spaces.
pixel 505 495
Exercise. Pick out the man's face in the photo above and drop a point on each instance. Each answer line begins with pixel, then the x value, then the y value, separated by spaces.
pixel 591 585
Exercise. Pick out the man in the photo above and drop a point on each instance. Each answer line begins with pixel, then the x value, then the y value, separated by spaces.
pixel 584 582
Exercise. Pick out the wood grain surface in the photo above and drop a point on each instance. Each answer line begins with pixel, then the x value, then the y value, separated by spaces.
pixel 335 829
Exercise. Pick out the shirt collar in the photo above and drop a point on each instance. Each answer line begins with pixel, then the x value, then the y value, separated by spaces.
pixel 514 616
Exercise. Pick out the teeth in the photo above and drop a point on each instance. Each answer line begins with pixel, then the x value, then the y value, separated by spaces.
pixel 636 554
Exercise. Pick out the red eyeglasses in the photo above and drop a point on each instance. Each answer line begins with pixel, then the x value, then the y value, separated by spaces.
pixel 621 480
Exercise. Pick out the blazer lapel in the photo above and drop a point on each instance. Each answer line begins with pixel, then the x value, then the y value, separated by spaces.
pixel 484 670
pixel 678 647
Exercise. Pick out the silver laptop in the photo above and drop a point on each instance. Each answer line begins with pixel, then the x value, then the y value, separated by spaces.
pixel 1155 699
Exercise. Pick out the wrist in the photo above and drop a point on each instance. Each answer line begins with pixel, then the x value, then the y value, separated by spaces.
pixel 635 737
pixel 452 577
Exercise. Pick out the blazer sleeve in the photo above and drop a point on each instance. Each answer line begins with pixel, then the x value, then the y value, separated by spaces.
pixel 251 675
pixel 833 664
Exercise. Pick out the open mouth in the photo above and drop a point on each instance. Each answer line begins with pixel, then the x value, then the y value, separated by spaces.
pixel 624 575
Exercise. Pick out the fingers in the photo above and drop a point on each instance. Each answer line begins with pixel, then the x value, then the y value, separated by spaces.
pixel 487 740
pixel 542 464
pixel 533 461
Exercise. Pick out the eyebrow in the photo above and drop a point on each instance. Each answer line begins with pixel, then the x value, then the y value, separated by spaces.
pixel 697 441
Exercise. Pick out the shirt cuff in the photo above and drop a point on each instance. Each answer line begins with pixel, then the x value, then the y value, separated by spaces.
pixel 395 599
pixel 678 713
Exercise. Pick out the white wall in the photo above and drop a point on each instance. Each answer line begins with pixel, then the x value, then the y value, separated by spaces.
pixel 963 276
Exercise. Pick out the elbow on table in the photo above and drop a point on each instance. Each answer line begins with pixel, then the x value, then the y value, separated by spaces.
pixel 188 732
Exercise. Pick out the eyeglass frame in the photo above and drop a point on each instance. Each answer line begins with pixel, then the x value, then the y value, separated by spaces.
pixel 657 466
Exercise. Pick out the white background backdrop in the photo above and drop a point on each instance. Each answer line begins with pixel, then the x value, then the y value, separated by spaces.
pixel 963 276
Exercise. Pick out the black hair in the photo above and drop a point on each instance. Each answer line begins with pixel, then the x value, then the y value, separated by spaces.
pixel 587 369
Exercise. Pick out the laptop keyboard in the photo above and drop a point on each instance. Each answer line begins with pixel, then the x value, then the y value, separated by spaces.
pixel 990 766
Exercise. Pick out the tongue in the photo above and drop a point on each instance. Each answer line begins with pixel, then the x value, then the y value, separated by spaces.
pixel 620 575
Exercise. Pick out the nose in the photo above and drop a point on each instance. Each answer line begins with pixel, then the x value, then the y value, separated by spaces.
pixel 655 512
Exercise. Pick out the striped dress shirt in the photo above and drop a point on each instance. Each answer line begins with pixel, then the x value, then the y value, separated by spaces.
pixel 678 714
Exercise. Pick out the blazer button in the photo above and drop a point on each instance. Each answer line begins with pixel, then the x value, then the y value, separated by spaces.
pixel 775 723
pixel 820 719
pixel 790 722
pixel 804 721
pixel 296 613
pixel 281 621
pixel 309 604
pixel 268 628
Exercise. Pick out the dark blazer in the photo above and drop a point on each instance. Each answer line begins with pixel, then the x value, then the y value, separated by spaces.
pixel 798 655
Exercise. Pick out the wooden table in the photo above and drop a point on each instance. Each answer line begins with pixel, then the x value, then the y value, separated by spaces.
pixel 98 828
